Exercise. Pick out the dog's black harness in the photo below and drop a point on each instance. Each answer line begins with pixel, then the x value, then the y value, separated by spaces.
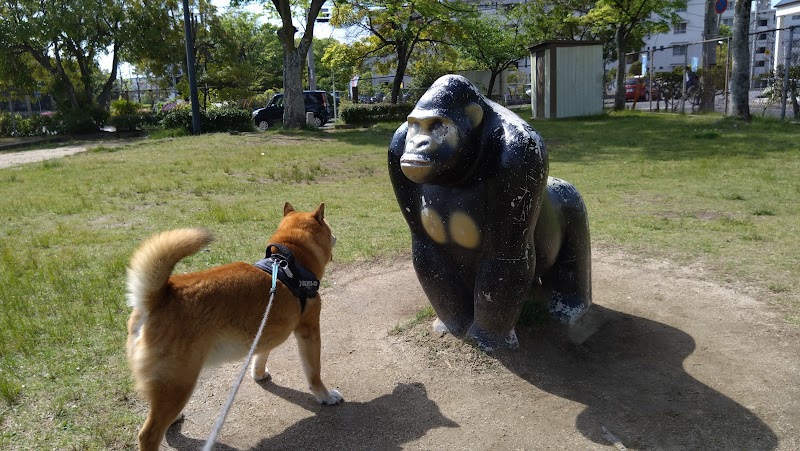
pixel 302 282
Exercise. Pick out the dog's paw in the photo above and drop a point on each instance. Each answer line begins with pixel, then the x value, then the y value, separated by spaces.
pixel 260 373
pixel 334 397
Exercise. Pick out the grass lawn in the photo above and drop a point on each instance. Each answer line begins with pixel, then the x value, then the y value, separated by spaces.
pixel 694 189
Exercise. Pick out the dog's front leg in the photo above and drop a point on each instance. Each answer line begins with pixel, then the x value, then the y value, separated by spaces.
pixel 308 343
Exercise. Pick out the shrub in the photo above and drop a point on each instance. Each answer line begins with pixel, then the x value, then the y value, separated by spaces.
pixel 362 114
pixel 81 121
pixel 36 125
pixel 176 116
pixel 227 118
pixel 217 119
pixel 126 115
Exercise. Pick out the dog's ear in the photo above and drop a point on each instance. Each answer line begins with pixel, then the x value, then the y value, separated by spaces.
pixel 319 214
pixel 287 208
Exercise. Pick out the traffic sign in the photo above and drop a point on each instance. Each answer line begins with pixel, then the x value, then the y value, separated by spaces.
pixel 720 6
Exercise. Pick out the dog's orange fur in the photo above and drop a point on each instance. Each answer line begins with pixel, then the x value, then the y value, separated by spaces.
pixel 181 323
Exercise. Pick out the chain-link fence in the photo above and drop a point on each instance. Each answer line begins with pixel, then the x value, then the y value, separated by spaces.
pixel 774 91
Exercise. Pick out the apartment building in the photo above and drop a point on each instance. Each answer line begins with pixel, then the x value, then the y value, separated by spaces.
pixel 681 45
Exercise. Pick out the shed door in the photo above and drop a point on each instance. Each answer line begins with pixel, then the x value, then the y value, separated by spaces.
pixel 540 79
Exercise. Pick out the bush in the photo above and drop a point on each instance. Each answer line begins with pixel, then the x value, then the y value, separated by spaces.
pixel 227 118
pixel 363 114
pixel 82 121
pixel 217 119
pixel 36 125
pixel 126 115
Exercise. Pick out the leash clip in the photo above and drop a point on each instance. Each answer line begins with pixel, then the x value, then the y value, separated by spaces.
pixel 285 267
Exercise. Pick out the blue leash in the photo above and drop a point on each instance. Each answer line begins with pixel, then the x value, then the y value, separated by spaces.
pixel 222 415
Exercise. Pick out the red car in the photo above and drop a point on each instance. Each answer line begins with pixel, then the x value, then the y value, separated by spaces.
pixel 643 86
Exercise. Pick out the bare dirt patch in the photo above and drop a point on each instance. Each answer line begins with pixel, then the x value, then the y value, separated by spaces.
pixel 16 158
pixel 666 360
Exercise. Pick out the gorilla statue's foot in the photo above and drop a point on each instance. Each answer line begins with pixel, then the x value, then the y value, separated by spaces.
pixel 489 342
pixel 441 328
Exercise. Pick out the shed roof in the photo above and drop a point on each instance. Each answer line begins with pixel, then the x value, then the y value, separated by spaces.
pixel 550 44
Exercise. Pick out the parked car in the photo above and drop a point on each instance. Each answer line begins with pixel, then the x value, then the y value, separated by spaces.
pixel 318 102
pixel 643 85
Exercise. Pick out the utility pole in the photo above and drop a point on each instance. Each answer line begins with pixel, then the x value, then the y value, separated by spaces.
pixel 187 26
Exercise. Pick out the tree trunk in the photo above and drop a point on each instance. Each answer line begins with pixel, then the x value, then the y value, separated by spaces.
pixel 619 97
pixel 104 99
pixel 490 89
pixel 294 111
pixel 740 56
pixel 402 65
pixel 294 57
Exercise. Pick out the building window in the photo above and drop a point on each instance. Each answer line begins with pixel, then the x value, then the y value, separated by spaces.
pixel 761 50
pixel 728 21
pixel 762 36
pixel 680 28
pixel 761 63
pixel 762 22
pixel 679 50
pixel 796 17
pixel 681 10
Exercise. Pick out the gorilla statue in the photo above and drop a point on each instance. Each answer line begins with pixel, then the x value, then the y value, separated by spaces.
pixel 490 230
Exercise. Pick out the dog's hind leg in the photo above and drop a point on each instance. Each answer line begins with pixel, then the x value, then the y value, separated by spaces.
pixel 167 400
pixel 309 344
pixel 259 369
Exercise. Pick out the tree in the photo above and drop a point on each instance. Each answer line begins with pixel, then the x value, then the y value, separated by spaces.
pixel 294 58
pixel 631 19
pixel 493 43
pixel 543 20
pixel 64 37
pixel 740 72
pixel 244 56
pixel 396 28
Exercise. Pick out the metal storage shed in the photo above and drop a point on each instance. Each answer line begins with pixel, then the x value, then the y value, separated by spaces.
pixel 566 79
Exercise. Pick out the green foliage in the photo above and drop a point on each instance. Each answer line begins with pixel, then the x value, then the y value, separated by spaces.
pixel 129 116
pixel 492 43
pixel 363 114
pixel 227 118
pixel 396 28
pixel 635 68
pixel 216 119
pixel 36 125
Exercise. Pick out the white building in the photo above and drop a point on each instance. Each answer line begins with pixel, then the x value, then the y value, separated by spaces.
pixel 680 46
pixel 787 14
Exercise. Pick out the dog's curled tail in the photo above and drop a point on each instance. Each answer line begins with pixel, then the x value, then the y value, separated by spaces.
pixel 154 260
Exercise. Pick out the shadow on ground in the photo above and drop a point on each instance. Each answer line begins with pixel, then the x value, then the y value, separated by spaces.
pixel 384 423
pixel 630 376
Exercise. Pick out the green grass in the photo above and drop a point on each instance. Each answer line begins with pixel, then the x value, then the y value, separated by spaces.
pixel 694 189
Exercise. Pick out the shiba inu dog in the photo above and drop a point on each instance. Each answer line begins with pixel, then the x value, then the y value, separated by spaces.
pixel 184 322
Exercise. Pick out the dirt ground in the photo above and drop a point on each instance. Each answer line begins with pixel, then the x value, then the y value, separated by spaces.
pixel 666 359
pixel 15 158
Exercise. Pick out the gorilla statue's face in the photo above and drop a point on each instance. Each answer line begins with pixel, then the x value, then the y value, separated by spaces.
pixel 436 144
pixel 431 143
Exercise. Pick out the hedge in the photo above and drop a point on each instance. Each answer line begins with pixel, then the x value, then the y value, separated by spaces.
pixel 216 119
pixel 364 114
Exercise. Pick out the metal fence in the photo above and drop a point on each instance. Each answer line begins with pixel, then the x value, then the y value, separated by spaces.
pixel 774 90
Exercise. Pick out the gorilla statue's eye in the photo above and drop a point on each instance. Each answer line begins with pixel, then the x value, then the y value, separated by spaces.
pixel 413 128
